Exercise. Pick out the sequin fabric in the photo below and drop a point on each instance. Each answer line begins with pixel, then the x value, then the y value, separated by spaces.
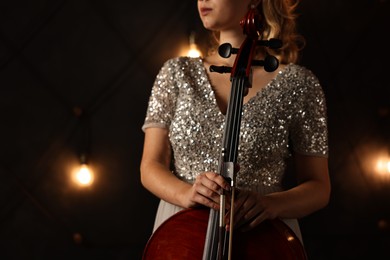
pixel 289 114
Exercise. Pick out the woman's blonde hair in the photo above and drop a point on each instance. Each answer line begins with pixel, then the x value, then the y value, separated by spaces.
pixel 279 21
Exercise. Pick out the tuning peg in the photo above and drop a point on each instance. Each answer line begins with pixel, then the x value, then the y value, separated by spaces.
pixel 270 63
pixel 220 69
pixel 271 43
pixel 274 43
pixel 226 49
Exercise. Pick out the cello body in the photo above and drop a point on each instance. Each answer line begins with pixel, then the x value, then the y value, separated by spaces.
pixel 183 237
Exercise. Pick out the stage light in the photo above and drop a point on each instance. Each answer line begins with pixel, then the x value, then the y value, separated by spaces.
pixel 380 167
pixel 193 51
pixel 383 166
pixel 376 164
pixel 83 176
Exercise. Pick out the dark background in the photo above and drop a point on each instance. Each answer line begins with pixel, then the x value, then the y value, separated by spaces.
pixel 76 75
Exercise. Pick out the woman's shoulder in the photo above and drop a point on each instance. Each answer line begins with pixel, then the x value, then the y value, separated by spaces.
pixel 299 71
pixel 301 76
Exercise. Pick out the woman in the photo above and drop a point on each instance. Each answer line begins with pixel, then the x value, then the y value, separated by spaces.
pixel 284 116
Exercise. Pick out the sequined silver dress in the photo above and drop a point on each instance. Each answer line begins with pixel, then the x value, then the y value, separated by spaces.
pixel 289 114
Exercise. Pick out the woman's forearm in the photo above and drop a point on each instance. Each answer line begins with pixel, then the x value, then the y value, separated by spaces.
pixel 163 183
pixel 301 200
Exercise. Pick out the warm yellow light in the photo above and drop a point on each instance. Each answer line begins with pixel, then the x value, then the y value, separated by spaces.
pixel 387 167
pixel 194 52
pixel 84 176
pixel 383 166
pixel 376 163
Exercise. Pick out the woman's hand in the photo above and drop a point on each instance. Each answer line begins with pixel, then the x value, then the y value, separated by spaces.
pixel 311 194
pixel 206 190
pixel 250 209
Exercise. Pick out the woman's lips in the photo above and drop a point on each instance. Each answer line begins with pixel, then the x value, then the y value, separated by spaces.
pixel 205 11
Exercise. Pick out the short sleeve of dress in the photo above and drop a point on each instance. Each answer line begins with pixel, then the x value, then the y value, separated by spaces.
pixel 309 133
pixel 162 99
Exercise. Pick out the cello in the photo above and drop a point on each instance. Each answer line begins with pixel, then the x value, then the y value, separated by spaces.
pixel 199 233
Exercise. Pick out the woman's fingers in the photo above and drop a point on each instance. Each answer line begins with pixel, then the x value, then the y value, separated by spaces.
pixel 249 210
pixel 253 223
pixel 207 189
pixel 216 179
